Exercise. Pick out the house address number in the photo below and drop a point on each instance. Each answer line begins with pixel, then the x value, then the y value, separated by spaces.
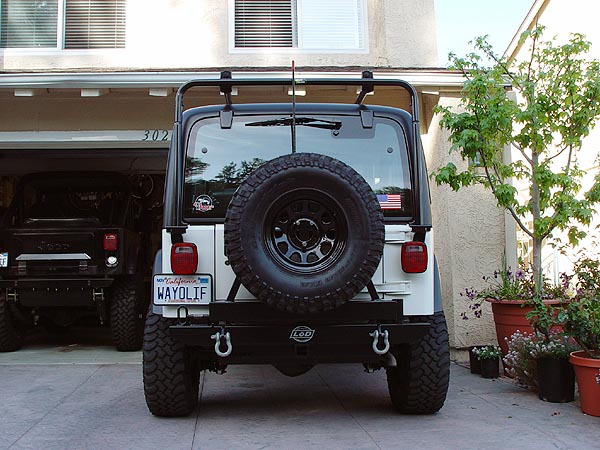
pixel 156 135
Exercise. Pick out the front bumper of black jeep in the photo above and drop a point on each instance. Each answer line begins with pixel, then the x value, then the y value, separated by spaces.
pixel 252 333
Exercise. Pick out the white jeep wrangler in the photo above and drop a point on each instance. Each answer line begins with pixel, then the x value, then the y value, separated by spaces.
pixel 296 234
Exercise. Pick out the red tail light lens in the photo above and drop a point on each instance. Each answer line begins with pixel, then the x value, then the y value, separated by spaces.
pixel 414 257
pixel 184 258
pixel 110 242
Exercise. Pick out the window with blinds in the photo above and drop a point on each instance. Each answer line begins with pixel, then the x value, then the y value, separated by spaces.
pixel 28 23
pixel 95 24
pixel 303 24
pixel 264 23
pixel 84 24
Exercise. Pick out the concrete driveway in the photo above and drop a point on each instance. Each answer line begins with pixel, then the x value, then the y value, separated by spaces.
pixel 78 393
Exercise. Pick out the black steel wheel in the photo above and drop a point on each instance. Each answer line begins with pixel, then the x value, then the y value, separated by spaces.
pixel 304 233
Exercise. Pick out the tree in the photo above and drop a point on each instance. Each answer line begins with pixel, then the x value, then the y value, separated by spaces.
pixel 558 102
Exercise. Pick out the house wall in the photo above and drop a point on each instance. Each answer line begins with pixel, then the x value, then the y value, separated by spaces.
pixel 469 239
pixel 174 34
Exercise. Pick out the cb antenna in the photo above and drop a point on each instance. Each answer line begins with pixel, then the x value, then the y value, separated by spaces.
pixel 293 106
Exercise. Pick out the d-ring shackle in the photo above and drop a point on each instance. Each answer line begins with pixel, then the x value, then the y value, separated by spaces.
pixel 217 337
pixel 386 342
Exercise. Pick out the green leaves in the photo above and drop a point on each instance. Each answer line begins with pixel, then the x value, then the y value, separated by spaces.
pixel 558 103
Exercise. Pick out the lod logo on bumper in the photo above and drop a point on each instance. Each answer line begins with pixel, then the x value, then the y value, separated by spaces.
pixel 302 334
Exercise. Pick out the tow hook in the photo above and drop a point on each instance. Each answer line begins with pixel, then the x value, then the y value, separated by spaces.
pixel 218 337
pixel 378 333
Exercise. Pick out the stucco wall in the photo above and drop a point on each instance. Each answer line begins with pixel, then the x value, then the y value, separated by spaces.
pixel 469 240
pixel 175 34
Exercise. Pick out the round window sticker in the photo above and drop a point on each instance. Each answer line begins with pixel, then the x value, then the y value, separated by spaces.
pixel 203 203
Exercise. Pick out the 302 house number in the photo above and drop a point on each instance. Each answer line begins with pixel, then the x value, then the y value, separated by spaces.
pixel 156 135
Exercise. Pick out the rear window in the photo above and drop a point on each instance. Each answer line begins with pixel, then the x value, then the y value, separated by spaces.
pixel 218 159
pixel 56 198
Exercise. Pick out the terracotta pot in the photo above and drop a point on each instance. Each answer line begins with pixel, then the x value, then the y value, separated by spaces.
pixel 587 373
pixel 490 368
pixel 555 380
pixel 509 317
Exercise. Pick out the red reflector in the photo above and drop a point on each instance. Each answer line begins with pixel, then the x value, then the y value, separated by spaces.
pixel 414 257
pixel 110 242
pixel 184 258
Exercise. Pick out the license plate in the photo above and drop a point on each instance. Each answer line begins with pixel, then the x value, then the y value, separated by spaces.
pixel 182 289
pixel 3 259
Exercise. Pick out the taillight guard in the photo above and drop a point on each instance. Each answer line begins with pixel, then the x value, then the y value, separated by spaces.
pixel 414 257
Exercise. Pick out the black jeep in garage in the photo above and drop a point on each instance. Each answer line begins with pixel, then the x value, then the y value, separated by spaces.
pixel 71 248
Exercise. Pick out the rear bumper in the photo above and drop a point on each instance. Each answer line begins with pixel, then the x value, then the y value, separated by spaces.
pixel 261 335
pixel 55 292
pixel 52 283
pixel 275 344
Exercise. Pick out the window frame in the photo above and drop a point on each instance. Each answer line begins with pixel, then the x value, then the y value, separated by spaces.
pixel 60 41
pixel 296 32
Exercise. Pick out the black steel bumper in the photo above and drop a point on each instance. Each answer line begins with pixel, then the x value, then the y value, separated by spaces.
pixel 53 292
pixel 358 332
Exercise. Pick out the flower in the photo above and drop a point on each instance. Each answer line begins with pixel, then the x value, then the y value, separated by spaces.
pixel 487 352
pixel 525 348
pixel 506 286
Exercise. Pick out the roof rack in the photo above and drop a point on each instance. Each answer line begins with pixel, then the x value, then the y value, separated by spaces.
pixel 226 82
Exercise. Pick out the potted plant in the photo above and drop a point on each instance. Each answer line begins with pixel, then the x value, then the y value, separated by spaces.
pixel 541 363
pixel 489 358
pixel 474 363
pixel 581 321
pixel 512 295
pixel 555 376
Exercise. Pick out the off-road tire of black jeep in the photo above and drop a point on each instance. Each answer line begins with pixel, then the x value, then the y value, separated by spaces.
pixel 304 233
pixel 11 338
pixel 126 318
pixel 171 373
pixel 419 383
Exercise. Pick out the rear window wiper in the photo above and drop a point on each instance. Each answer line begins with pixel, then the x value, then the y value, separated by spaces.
pixel 303 121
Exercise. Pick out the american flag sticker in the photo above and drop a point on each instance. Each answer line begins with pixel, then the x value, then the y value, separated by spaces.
pixel 390 201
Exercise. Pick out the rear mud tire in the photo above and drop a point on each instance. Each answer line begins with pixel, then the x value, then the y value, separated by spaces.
pixel 171 373
pixel 304 233
pixel 11 336
pixel 419 383
pixel 126 315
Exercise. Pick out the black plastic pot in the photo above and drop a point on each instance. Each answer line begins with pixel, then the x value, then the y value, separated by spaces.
pixel 490 368
pixel 474 363
pixel 556 380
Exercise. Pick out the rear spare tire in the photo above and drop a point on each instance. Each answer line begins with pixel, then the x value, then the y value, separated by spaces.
pixel 304 233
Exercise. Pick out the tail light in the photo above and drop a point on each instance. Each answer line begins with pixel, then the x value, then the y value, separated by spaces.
pixel 414 257
pixel 110 242
pixel 184 258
